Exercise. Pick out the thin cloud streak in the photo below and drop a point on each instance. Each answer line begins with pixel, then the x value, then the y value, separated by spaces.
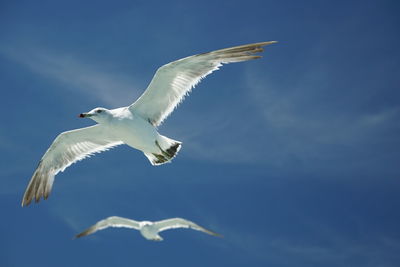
pixel 299 128
pixel 110 88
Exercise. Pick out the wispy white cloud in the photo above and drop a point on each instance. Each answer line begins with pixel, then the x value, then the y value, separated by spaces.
pixel 309 122
pixel 378 118
pixel 74 72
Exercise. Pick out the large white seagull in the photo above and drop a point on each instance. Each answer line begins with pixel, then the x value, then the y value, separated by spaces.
pixel 134 125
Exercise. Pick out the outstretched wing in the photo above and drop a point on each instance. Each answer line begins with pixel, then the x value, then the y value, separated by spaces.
pixel 67 148
pixel 181 223
pixel 173 81
pixel 113 221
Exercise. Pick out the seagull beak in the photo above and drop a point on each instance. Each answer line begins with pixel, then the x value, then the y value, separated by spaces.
pixel 84 115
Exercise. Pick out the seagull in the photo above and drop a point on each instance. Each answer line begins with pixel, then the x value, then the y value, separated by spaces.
pixel 149 230
pixel 134 125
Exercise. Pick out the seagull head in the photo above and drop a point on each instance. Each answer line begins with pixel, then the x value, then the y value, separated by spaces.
pixel 96 114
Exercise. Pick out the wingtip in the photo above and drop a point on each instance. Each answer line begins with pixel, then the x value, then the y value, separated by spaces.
pixel 77 236
pixel 219 235
pixel 270 42
pixel 82 234
pixel 25 202
pixel 211 232
pixel 88 231
pixel 216 234
pixel 267 43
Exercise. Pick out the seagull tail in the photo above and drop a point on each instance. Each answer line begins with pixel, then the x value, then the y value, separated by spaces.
pixel 168 149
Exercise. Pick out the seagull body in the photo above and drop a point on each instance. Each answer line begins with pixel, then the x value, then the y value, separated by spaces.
pixel 148 229
pixel 123 125
pixel 134 125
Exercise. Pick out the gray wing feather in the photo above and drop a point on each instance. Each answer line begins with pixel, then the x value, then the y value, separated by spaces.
pixel 173 81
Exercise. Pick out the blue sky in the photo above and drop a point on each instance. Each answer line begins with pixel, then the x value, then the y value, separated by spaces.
pixel 294 158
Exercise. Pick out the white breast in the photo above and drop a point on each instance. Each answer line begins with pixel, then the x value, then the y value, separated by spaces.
pixel 134 131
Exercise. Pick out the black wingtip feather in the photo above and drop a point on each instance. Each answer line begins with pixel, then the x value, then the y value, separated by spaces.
pixel 88 231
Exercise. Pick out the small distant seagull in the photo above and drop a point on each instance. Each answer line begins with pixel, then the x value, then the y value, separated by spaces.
pixel 149 230
pixel 134 125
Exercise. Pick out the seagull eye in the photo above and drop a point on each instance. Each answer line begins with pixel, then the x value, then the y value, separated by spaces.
pixel 99 111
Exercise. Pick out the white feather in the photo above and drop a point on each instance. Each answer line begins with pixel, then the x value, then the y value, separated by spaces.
pixel 68 148
pixel 173 81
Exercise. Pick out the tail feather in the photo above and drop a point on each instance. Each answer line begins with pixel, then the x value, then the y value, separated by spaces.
pixel 166 154
pixel 173 150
